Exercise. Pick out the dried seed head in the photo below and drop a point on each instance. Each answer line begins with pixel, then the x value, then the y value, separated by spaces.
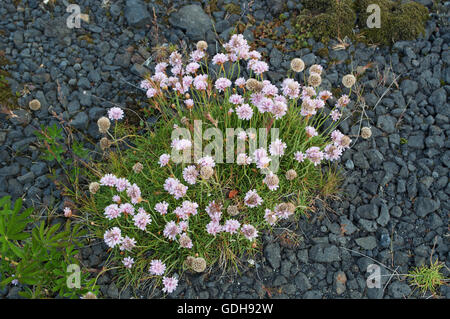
pixel 189 261
pixel 345 141
pixel 94 187
pixel 137 168
pixel 185 241
pixel 315 68
pixel 89 295
pixel 185 120
pixel 206 172
pixel 291 207
pixel 232 210
pixel 34 105
pixel 366 132
pixel 254 85
pixel 348 80
pixel 202 45
pixel 314 79
pixel 291 175
pixel 271 180
pixel 198 264
pixel 105 143
pixel 297 65
pixel 103 124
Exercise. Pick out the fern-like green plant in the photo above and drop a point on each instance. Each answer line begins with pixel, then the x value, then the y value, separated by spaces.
pixel 38 258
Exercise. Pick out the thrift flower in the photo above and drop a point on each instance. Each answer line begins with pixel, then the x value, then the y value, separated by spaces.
pixel 162 207
pixel 113 237
pixel 244 112
pixel 170 284
pixel 127 243
pixel 115 113
pixel 252 199
pixel 249 232
pixel 141 220
pixel 231 226
pixel 157 267
pixel 128 262
pixel 171 230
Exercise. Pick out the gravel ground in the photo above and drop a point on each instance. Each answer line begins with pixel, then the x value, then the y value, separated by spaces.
pixel 395 206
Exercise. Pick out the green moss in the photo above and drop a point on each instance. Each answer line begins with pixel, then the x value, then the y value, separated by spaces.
pixel 233 8
pixel 327 19
pixel 323 53
pixel 8 100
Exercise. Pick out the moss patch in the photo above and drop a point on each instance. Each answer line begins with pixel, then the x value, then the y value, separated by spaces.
pixel 327 19
pixel 8 100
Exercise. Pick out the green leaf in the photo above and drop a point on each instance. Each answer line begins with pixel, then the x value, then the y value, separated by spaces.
pixel 18 251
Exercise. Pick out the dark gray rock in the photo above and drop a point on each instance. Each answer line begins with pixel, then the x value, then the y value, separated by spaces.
pixel 272 252
pixel 367 243
pixel 302 282
pixel 399 289
pixel 387 123
pixel 136 13
pixel 369 211
pixel 193 20
pixel 325 253
pixel 423 206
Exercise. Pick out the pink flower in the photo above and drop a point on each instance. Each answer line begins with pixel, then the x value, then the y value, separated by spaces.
pixel 134 192
pixel 270 217
pixel 116 199
pixel 335 115
pixel 220 58
pixel 242 136
pixel 161 67
pixel 261 158
pixel 332 152
pixel 67 212
pixel 299 156
pixel 190 208
pixel 151 92
pixel 170 284
pixel 160 77
pixel 236 99
pixel 336 136
pixel 231 226
pixel 185 241
pixel 243 159
pixel 314 155
pixel 252 199
pixel 310 131
pixel 249 232
pixel 122 184
pixel 184 225
pixel 291 88
pixel 277 148
pixel 325 95
pixel 244 112
pixel 171 230
pixel 259 67
pixel 115 113
pixel 108 180
pixel 213 228
pixel 240 82
pixel 192 67
pixel 141 220
pixel 127 208
pixel 200 82
pixel 157 267
pixel 127 243
pixel 269 88
pixel 162 208
pixel 128 262
pixel 175 58
pixel 197 55
pixel 145 84
pixel 164 160
pixel 113 237
pixel 206 161
pixel 182 144
pixel 189 102
pixel 279 109
pixel 222 83
pixel 190 174
pixel 343 100
pixel 112 211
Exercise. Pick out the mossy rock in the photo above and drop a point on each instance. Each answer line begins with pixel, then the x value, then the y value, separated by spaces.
pixel 327 19
pixel 399 21
pixel 337 20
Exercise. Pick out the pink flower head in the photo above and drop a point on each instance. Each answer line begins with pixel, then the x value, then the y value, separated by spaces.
pixel 108 180
pixel 252 199
pixel 141 220
pixel 67 212
pixel 231 226
pixel 249 232
pixel 269 88
pixel 243 159
pixel 278 109
pixel 112 211
pixel 277 147
pixel 115 113
pixel 214 211
pixel 161 67
pixel 128 262
pixel 175 58
pixel 127 243
pixel 116 199
pixel 151 92
pixel 240 82
pixel 200 82
pixel 145 84
pixel 192 67
pixel 220 58
pixel 197 55
pixel 184 225
pixel 261 158
pixel 236 99
pixel 182 144
pixel 164 160
pixel 332 152
pixel 157 267
pixel 162 207
pixel 335 115
pixel 343 100
pixel 190 174
pixel 190 208
pixel 244 112
pixel 222 83
pixel 134 192
pixel 127 208
pixel 213 228
pixel 270 217
pixel 189 102
pixel 122 184
pixel 314 155
pixel 336 136
pixel 299 156
pixel 265 104
pixel 290 88
pixel 185 241
pixel 170 284
pixel 206 161
pixel 259 67
pixel 325 95
pixel 311 131
pixel 171 230
pixel 113 237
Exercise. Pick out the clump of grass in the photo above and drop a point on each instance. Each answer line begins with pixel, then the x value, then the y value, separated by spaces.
pixel 253 195
pixel 428 278
pixel 8 100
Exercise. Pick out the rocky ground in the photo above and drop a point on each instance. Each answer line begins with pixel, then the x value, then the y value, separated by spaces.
pixel 394 208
